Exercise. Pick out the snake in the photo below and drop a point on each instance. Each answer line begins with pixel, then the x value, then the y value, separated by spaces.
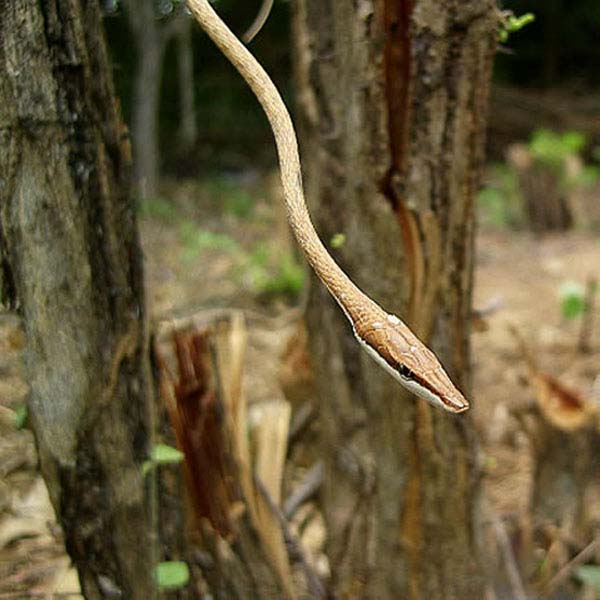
pixel 385 337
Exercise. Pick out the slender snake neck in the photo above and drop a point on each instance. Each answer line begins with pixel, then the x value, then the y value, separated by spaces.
pixel 328 271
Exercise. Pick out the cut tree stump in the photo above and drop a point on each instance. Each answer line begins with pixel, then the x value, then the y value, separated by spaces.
pixel 547 202
pixel 234 523
pixel 563 427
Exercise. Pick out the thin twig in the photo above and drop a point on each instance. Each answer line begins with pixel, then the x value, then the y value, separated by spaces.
pixel 514 577
pixel 308 487
pixel 304 416
pixel 295 551
pixel 259 21
pixel 565 572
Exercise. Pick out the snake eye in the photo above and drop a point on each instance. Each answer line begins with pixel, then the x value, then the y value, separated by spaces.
pixel 404 371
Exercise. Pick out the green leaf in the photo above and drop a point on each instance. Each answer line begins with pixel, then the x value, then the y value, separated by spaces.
pixel 20 418
pixel 162 454
pixel 172 574
pixel 589 575
pixel 587 177
pixel 572 299
pixel 573 141
pixel 338 240
pixel 147 466
pixel 515 23
pixel 510 24
pixel 552 148
pixel 273 275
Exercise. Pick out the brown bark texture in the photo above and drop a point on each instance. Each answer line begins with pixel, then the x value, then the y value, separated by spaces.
pixel 173 524
pixel 70 262
pixel 563 429
pixel 545 196
pixel 239 545
pixel 566 488
pixel 546 201
pixel 392 103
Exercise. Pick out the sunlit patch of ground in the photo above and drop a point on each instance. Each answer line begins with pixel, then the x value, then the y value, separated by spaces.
pixel 523 276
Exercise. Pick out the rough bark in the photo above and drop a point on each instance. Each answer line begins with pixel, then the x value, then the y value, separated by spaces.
pixel 70 262
pixel 564 508
pixel 546 201
pixel 566 486
pixel 393 98
pixel 240 547
pixel 173 524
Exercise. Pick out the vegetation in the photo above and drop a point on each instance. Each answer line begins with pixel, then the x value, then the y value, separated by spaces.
pixel 511 24
pixel 172 575
pixel 500 201
pixel 560 154
pixel 260 266
pixel 572 299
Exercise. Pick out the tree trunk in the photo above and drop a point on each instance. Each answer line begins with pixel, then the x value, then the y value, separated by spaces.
pixel 188 128
pixel 546 197
pixel 146 96
pixel 145 116
pixel 70 262
pixel 393 99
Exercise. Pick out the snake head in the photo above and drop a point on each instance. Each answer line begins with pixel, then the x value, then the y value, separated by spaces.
pixel 393 345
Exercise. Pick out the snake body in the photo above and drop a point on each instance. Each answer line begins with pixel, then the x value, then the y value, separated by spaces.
pixel 385 337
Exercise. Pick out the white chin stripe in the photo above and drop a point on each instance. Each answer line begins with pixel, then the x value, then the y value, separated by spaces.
pixel 409 384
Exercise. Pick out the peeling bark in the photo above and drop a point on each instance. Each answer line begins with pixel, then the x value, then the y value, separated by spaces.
pixel 239 543
pixel 393 127
pixel 71 264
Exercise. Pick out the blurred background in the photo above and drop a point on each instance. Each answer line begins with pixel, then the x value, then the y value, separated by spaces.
pixel 216 157
pixel 214 235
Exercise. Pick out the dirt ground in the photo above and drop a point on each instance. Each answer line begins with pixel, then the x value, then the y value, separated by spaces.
pixel 517 282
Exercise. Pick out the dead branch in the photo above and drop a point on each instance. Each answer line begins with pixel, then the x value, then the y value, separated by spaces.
pixel 294 549
pixel 566 571
pixel 510 562
pixel 305 491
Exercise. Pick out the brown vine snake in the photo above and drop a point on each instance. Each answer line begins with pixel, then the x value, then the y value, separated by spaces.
pixel 385 337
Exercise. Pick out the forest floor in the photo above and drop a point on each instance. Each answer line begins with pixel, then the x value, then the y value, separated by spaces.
pixel 222 244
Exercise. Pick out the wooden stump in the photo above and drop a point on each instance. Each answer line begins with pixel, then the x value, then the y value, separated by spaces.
pixel 233 524
pixel 563 428
pixel 547 203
